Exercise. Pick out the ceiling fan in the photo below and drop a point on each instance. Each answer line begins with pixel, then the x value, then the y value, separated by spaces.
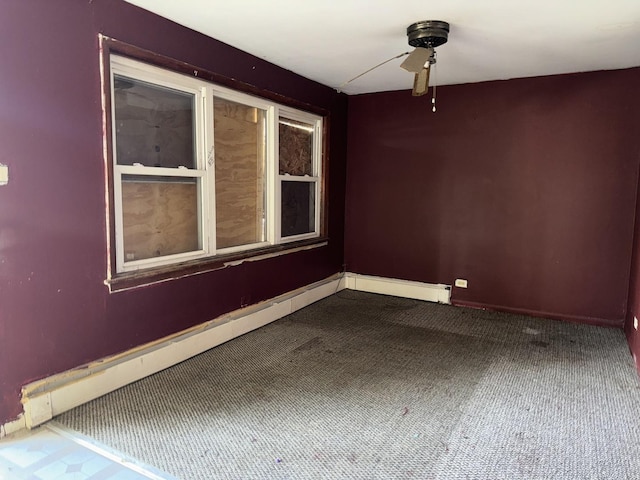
pixel 425 36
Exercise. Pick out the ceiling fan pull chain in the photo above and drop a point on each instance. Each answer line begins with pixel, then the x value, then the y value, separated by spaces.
pixel 435 84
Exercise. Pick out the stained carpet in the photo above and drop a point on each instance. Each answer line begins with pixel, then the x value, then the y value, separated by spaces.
pixel 367 386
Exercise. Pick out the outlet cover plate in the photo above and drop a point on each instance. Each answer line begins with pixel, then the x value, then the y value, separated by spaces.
pixel 461 283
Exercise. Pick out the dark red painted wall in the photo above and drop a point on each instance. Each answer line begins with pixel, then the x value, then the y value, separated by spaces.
pixel 55 311
pixel 527 188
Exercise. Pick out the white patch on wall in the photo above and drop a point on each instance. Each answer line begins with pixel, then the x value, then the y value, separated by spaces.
pixel 4 174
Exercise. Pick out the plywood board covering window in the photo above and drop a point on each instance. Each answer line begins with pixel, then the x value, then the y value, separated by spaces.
pixel 296 147
pixel 160 217
pixel 239 136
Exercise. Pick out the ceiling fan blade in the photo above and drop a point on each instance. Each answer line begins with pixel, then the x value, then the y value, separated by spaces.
pixel 417 59
pixel 421 82
pixel 370 70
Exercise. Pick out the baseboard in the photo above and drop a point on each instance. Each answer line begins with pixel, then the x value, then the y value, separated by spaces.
pixel 51 396
pixel 13 426
pixel 46 398
pixel 398 288
pixel 599 322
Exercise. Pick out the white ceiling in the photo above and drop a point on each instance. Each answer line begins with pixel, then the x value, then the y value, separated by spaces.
pixel 332 41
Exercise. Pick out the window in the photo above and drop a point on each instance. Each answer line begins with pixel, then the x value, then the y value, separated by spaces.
pixel 298 175
pixel 200 170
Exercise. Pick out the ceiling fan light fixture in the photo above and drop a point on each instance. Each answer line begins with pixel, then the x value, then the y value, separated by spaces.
pixel 428 33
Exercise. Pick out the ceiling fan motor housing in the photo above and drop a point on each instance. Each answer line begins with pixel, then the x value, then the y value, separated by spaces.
pixel 428 33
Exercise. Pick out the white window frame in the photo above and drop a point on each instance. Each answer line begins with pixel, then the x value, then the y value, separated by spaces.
pixel 316 169
pixel 270 157
pixel 141 71
pixel 204 93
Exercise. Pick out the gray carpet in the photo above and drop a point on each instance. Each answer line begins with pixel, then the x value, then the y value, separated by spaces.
pixel 367 386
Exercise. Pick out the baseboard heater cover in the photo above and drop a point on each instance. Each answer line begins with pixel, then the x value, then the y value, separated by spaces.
pixel 429 292
pixel 51 396
pixel 13 426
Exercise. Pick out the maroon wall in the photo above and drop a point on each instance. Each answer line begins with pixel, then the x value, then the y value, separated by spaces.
pixel 524 187
pixel 55 311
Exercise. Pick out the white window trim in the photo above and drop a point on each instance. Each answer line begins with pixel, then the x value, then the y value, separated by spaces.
pixel 204 93
pixel 157 76
pixel 316 176
pixel 270 157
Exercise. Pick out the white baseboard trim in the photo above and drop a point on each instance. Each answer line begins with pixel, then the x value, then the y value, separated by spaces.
pixel 13 426
pixel 51 396
pixel 46 398
pixel 429 292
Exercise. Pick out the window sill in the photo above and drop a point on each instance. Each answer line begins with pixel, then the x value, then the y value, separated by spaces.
pixel 131 280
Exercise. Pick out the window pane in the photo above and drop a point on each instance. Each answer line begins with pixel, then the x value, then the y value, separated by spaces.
pixel 296 147
pixel 240 144
pixel 298 208
pixel 154 125
pixel 159 216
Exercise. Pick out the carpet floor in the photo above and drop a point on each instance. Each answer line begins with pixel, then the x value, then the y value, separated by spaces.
pixel 368 386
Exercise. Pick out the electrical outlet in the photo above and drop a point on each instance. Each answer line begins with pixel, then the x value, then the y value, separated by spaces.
pixel 635 323
pixel 461 283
